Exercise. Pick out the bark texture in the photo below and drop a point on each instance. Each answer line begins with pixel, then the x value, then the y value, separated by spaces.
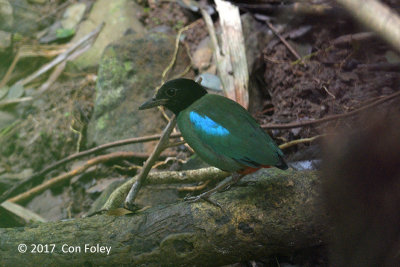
pixel 269 212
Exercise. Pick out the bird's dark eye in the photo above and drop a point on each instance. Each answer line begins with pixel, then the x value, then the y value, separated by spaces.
pixel 171 92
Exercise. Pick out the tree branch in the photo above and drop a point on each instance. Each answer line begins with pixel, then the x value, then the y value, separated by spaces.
pixel 162 144
pixel 378 17
pixel 267 213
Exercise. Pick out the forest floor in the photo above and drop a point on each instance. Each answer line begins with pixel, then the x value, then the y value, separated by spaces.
pixel 340 71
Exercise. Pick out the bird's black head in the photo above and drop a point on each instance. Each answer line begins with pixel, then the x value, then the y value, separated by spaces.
pixel 176 95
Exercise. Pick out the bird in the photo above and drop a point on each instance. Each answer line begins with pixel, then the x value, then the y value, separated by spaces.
pixel 218 129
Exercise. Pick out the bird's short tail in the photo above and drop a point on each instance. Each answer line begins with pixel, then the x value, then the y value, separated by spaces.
pixel 249 170
pixel 282 164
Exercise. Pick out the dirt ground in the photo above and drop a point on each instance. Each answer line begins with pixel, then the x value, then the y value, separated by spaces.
pixel 334 80
pixel 330 80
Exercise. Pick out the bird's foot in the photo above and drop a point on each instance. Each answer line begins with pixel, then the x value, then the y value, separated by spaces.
pixel 236 177
pixel 204 196
pixel 224 184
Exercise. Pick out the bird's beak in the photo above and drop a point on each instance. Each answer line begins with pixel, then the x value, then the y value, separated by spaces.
pixel 153 102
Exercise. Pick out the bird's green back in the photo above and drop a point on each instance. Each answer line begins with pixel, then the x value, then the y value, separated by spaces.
pixel 245 144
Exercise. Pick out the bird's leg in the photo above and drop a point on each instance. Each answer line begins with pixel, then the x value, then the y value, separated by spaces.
pixel 224 184
pixel 236 177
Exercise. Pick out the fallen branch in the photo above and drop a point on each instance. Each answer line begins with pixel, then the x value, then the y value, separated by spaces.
pixel 378 17
pixel 199 175
pixel 67 176
pixel 271 212
pixel 117 197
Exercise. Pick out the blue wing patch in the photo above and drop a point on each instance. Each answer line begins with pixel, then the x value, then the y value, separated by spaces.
pixel 207 125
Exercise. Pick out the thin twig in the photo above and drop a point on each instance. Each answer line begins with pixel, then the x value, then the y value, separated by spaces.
pixel 60 68
pixel 328 92
pixel 62 57
pixel 299 141
pixel 194 188
pixel 388 67
pixel 47 51
pixel 67 176
pixel 149 163
pixel 184 72
pixel 7 76
pixel 161 163
pixel 176 143
pixel 52 12
pixel 178 37
pixel 14 101
pixel 38 177
pixel 53 77
pixel 332 117
pixel 275 31
pixel 172 62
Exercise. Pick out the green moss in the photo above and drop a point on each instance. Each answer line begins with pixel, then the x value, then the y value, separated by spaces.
pixel 180 245
pixel 111 87
pixel 101 122
pixel 112 97
pixel 156 20
pixel 179 25
pixel 111 69
pixel 128 66
pixel 65 33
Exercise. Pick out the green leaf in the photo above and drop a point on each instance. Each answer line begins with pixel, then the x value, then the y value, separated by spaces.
pixel 3 91
pixel 16 91
pixel 64 33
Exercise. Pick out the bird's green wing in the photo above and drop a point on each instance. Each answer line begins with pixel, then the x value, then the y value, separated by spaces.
pixel 230 131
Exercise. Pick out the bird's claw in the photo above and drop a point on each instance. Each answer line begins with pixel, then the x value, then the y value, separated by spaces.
pixel 192 199
pixel 205 197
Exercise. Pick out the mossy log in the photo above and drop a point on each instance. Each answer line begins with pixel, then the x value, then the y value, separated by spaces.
pixel 268 212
